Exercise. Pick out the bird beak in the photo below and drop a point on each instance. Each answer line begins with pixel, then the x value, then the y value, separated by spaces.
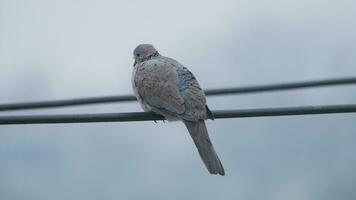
pixel 134 63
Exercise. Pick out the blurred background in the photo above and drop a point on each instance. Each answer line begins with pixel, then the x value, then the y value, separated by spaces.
pixel 71 48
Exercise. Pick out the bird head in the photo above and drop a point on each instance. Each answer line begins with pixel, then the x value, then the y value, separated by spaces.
pixel 144 52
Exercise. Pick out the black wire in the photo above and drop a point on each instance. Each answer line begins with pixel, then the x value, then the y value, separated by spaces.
pixel 125 98
pixel 63 103
pixel 149 116
pixel 282 86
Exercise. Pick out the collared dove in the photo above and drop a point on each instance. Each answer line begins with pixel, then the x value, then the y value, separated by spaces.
pixel 166 87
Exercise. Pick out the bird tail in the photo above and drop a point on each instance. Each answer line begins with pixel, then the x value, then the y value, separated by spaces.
pixel 206 150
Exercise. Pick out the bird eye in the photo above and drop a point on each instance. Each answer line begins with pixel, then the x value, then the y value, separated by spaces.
pixel 138 55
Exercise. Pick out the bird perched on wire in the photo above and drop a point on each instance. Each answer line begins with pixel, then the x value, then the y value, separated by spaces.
pixel 166 87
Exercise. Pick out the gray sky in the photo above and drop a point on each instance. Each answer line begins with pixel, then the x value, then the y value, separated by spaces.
pixel 67 49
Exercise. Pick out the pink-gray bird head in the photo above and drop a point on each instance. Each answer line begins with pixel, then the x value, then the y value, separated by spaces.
pixel 144 52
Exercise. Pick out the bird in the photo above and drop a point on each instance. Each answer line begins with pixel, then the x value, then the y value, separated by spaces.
pixel 164 86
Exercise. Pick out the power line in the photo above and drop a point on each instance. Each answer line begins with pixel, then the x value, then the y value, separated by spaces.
pixel 211 92
pixel 282 86
pixel 149 116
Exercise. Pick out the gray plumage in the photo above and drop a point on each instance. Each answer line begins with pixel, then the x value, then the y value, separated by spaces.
pixel 164 86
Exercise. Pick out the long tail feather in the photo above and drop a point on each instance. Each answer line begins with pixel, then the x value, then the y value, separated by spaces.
pixel 200 136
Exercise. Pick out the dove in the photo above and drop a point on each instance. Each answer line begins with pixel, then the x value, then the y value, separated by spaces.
pixel 164 86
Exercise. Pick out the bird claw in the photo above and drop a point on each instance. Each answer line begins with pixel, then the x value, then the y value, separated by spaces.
pixel 164 121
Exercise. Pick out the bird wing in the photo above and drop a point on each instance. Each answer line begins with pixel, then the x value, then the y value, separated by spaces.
pixel 157 84
pixel 193 95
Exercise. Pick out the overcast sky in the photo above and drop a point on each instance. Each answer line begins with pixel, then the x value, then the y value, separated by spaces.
pixel 71 48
